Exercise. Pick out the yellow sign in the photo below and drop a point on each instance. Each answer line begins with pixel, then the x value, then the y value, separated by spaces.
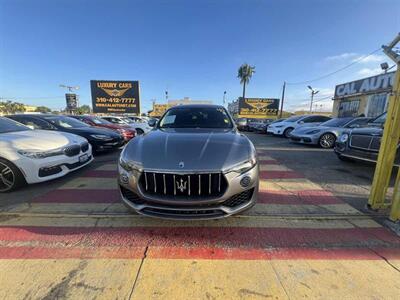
pixel 258 107
pixel 159 110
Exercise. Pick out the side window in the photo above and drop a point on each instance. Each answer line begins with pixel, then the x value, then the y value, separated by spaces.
pixel 39 124
pixel 322 119
pixel 309 120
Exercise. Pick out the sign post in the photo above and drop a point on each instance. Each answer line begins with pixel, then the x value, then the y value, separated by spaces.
pixel 110 96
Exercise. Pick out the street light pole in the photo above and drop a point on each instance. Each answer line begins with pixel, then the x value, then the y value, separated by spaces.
pixel 224 98
pixel 313 92
pixel 283 99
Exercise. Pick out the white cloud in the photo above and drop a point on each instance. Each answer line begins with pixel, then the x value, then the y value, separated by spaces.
pixel 366 72
pixel 322 106
pixel 343 56
pixel 361 58
pixel 373 58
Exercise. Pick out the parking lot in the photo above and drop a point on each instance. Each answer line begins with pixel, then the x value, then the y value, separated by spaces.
pixel 297 241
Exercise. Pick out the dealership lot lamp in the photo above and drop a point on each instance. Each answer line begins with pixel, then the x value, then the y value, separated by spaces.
pixel 389 144
pixel 313 92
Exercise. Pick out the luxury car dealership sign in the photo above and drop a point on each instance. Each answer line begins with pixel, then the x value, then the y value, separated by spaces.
pixel 258 107
pixel 382 82
pixel 110 96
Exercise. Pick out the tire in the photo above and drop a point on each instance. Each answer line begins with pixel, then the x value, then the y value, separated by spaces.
pixel 139 131
pixel 287 132
pixel 327 140
pixel 11 177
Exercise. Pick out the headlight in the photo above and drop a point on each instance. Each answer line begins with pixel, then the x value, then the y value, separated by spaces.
pixel 40 154
pixel 102 137
pixel 344 138
pixel 243 167
pixel 313 131
pixel 129 166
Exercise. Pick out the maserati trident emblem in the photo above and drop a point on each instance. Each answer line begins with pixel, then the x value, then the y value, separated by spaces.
pixel 181 165
pixel 181 185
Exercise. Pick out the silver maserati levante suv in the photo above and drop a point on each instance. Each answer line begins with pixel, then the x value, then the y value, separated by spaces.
pixel 193 165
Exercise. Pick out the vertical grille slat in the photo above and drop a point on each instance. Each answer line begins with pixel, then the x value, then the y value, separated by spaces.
pixel 183 185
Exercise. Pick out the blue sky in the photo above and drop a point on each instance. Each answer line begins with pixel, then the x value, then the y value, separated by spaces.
pixel 193 48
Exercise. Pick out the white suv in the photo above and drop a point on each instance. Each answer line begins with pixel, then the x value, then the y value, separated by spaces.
pixel 287 126
pixel 140 127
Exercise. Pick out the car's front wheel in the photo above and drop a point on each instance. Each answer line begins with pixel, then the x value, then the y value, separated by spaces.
pixel 287 132
pixel 327 140
pixel 11 177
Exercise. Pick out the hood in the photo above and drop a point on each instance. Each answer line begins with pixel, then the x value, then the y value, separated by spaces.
pixel 91 130
pixel 368 131
pixel 40 140
pixel 198 149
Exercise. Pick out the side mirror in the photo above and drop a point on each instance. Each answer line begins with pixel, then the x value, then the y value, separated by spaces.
pixel 355 126
pixel 152 122
pixel 301 122
pixel 31 127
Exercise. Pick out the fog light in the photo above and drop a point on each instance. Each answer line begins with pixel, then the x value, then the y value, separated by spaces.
pixel 124 179
pixel 245 181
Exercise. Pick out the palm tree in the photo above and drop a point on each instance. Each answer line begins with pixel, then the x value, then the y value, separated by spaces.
pixel 245 72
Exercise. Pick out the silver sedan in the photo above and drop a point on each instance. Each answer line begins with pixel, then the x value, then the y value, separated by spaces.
pixel 193 165
pixel 325 134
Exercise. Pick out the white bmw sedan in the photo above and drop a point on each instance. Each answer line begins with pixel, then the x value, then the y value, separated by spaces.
pixel 31 156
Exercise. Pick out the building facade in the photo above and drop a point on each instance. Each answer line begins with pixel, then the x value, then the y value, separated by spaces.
pixel 365 97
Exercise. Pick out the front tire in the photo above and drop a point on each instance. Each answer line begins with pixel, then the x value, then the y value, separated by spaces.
pixel 327 141
pixel 287 132
pixel 11 177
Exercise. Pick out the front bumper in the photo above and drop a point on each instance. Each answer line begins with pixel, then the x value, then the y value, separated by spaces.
pixel 275 130
pixel 234 200
pixel 100 145
pixel 39 170
pixel 304 139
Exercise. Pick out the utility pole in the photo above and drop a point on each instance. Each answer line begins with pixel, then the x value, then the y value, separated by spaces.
pixel 283 99
pixel 224 98
pixel 313 92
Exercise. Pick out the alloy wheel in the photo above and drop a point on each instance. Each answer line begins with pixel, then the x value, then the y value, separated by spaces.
pixel 327 140
pixel 7 178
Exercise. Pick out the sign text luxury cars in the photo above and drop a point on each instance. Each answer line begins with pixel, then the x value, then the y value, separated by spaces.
pixel 258 107
pixel 115 96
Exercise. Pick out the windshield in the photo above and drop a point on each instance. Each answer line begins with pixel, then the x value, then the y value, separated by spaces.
pixel 196 117
pixel 294 119
pixel 337 122
pixel 7 125
pixel 66 122
pixel 99 121
pixel 379 120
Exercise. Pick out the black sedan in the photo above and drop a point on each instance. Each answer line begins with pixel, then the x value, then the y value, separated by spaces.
pixel 100 139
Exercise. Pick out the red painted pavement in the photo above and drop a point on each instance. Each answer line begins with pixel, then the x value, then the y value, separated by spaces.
pixel 279 175
pixel 226 237
pixel 79 196
pixel 311 197
pixel 101 173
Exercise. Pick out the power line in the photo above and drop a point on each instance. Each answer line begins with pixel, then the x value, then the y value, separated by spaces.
pixel 334 72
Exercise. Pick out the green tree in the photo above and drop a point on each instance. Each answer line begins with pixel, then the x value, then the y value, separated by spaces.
pixel 10 107
pixel 42 109
pixel 245 73
pixel 84 109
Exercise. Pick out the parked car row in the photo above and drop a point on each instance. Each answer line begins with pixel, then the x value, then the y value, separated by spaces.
pixel 41 147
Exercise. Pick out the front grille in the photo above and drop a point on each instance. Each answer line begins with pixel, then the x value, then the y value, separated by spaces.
pixel 182 214
pixel 72 150
pixel 239 199
pixel 84 146
pixel 183 185
pixel 365 142
pixel 131 196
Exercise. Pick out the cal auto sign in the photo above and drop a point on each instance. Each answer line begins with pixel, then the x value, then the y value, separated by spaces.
pixel 258 107
pixel 109 96
pixel 382 82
